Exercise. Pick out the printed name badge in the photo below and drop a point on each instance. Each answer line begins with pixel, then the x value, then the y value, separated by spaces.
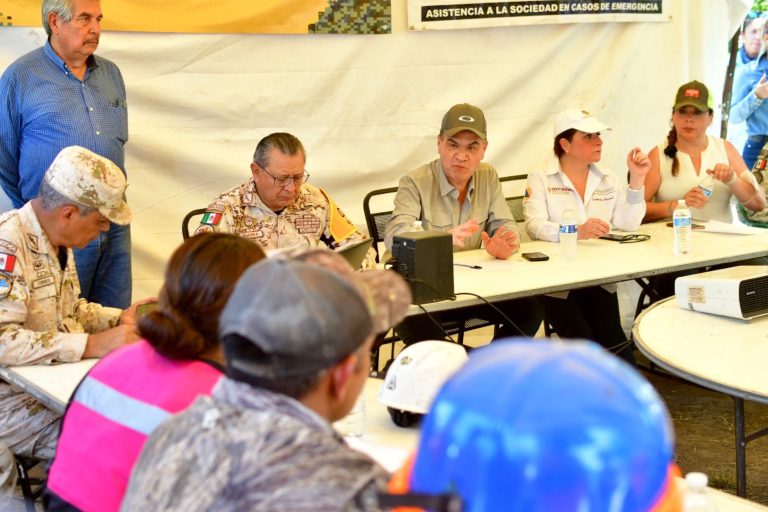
pixel 7 262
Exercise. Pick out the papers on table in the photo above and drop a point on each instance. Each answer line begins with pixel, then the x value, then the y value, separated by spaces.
pixel 716 226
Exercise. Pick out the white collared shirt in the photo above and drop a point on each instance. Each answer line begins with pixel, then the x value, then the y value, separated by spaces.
pixel 549 193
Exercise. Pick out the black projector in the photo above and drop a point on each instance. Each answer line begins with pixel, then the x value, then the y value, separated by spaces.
pixel 425 260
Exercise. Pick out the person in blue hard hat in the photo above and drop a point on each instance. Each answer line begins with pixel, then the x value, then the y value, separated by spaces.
pixel 532 426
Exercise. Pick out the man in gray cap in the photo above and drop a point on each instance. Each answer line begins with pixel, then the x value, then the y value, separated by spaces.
pixel 42 318
pixel 460 194
pixel 297 336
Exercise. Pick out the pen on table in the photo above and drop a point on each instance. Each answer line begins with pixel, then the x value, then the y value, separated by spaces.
pixel 468 266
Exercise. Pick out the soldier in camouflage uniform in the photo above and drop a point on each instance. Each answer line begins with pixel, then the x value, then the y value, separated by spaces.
pixel 277 208
pixel 297 340
pixel 42 320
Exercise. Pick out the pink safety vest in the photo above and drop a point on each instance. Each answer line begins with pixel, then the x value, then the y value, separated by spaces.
pixel 115 408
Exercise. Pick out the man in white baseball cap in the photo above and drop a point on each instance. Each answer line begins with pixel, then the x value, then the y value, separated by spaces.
pixel 42 318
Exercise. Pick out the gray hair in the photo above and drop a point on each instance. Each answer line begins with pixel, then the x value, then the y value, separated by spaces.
pixel 65 9
pixel 52 199
pixel 286 143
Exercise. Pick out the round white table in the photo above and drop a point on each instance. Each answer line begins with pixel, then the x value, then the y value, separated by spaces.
pixel 716 352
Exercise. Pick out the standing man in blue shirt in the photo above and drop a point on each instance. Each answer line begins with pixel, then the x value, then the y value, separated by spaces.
pixel 62 95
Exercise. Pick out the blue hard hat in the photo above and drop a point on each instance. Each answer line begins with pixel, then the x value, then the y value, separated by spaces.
pixel 542 426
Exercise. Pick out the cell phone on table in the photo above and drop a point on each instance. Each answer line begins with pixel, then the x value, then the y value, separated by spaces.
pixel 613 236
pixel 535 256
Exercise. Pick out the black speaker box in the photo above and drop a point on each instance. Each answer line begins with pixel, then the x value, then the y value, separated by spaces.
pixel 425 260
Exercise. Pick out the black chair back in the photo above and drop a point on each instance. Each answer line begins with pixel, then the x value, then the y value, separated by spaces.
pixel 188 220
pixel 377 221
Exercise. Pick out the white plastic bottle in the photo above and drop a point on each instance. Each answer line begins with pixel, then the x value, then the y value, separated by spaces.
pixel 697 498
pixel 417 226
pixel 681 220
pixel 707 185
pixel 568 235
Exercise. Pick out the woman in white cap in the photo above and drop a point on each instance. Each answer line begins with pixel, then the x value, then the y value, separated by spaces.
pixel 599 201
pixel 680 167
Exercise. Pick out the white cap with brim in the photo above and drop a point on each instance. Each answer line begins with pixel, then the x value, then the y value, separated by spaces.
pixel 577 119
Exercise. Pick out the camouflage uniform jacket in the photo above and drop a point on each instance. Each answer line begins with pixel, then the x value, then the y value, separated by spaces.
pixel 312 220
pixel 244 448
pixel 42 318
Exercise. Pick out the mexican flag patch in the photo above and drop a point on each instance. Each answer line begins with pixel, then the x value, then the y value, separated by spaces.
pixel 211 218
pixel 7 262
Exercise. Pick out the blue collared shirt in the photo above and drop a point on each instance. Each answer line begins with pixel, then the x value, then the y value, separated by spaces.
pixel 745 105
pixel 45 108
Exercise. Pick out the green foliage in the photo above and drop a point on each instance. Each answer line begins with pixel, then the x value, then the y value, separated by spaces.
pixel 760 6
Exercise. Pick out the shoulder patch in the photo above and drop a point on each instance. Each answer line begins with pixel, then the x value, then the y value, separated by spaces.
pixel 7 262
pixel 204 229
pixel 8 246
pixel 211 218
pixel 32 241
pixel 215 207
pixel 6 283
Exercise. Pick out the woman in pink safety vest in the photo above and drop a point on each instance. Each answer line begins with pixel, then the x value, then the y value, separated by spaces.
pixel 133 389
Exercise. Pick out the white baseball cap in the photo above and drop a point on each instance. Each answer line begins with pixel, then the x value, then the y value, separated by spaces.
pixel 579 120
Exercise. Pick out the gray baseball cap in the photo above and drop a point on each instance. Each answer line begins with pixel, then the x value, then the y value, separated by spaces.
pixel 306 313
pixel 91 180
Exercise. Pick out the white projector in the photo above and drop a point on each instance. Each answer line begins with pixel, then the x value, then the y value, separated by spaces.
pixel 738 292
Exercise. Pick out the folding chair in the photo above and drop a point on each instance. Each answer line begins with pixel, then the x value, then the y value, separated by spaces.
pixel 187 221
pixel 377 221
pixel 31 488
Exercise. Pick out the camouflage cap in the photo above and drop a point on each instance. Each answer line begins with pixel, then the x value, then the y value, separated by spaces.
pixel 90 180
pixel 306 313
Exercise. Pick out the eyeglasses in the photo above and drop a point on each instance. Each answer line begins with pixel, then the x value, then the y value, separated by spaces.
pixel 689 113
pixel 284 181
pixel 633 239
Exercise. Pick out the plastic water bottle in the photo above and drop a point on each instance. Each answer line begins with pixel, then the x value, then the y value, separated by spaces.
pixel 416 227
pixel 353 424
pixel 707 185
pixel 568 235
pixel 697 498
pixel 681 220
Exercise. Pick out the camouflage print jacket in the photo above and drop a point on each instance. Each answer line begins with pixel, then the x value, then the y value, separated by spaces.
pixel 42 318
pixel 312 220
pixel 244 448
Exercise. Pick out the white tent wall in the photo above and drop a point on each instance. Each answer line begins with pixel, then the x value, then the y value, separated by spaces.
pixel 368 108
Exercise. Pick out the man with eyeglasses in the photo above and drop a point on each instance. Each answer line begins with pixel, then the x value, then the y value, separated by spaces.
pixel 277 208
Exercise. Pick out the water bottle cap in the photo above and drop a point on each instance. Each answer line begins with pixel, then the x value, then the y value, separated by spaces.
pixel 681 202
pixel 696 479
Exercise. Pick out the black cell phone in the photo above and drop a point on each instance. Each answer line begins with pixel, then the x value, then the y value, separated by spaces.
pixel 535 256
pixel 613 236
